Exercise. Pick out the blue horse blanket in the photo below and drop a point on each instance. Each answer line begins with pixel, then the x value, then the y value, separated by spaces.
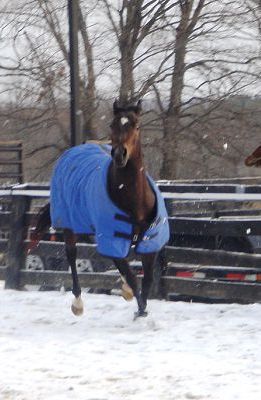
pixel 80 202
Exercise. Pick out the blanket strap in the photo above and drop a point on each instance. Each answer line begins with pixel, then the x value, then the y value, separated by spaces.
pixel 134 238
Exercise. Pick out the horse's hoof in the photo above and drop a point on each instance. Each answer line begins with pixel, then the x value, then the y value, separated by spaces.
pixel 139 314
pixel 126 292
pixel 77 306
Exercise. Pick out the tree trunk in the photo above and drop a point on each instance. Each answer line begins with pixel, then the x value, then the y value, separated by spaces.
pixel 172 116
pixel 88 108
pixel 169 149
pixel 127 79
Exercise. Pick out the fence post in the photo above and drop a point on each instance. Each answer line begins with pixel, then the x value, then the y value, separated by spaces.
pixel 16 247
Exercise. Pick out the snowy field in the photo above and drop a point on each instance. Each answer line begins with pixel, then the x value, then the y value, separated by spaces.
pixel 181 351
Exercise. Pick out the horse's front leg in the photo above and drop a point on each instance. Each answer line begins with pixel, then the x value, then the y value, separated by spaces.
pixel 131 280
pixel 148 263
pixel 71 253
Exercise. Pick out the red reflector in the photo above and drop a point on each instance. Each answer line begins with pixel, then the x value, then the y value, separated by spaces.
pixel 238 277
pixel 184 274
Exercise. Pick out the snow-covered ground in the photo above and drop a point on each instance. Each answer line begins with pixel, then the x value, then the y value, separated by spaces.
pixel 181 351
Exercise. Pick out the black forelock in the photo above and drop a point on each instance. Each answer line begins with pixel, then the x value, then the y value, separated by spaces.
pixel 127 107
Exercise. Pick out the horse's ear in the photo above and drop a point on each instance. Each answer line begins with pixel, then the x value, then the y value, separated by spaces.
pixel 138 107
pixel 116 106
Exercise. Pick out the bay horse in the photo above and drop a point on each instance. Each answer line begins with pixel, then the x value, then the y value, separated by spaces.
pixel 106 191
pixel 254 159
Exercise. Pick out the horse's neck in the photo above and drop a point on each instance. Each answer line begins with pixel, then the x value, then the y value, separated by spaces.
pixel 130 191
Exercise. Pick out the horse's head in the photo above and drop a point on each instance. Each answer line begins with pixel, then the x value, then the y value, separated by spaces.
pixel 125 132
pixel 254 159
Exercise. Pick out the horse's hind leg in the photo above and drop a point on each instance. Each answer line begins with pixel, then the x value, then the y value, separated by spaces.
pixel 42 223
pixel 71 253
pixel 148 263
pixel 131 280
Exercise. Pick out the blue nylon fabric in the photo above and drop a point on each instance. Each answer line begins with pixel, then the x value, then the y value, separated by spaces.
pixel 80 202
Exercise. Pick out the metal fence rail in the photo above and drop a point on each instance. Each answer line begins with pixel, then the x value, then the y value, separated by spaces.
pixel 177 272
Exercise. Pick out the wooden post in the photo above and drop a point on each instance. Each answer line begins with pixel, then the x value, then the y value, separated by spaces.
pixel 12 146
pixel 16 249
pixel 73 16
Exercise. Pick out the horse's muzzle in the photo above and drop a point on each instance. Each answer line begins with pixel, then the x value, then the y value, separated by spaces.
pixel 120 156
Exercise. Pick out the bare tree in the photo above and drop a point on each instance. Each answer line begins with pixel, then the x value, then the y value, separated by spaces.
pixel 185 55
pixel 201 80
pixel 35 73
pixel 188 58
pixel 134 26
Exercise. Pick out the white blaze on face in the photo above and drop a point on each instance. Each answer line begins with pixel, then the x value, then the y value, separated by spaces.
pixel 124 120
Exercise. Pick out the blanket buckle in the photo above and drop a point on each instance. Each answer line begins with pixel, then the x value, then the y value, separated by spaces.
pixel 135 238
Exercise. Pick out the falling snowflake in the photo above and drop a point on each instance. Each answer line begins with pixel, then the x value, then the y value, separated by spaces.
pixel 225 146
pixel 248 231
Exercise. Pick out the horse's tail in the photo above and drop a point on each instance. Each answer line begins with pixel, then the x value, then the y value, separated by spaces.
pixel 43 222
